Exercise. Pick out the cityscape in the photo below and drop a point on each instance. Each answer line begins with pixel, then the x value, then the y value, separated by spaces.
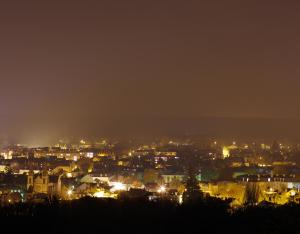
pixel 150 117
pixel 205 177
pixel 158 169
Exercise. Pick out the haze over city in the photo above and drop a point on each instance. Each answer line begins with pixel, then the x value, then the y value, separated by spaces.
pixel 111 68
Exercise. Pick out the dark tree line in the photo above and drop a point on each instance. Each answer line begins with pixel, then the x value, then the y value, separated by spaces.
pixel 90 215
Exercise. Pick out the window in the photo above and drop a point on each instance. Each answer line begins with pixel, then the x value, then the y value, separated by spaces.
pixel 44 181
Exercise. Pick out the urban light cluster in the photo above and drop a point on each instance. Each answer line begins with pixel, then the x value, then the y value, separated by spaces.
pixel 98 169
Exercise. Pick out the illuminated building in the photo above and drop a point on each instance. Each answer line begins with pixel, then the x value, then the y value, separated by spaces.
pixel 226 152
pixel 43 183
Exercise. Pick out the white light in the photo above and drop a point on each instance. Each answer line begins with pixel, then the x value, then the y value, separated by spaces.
pixel 90 155
pixel 180 199
pixel 117 186
pixel 162 189
pixel 70 192
pixel 293 193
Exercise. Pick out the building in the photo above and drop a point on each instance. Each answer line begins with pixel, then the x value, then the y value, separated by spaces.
pixel 43 183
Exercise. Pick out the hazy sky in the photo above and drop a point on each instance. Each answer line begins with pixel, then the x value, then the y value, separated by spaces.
pixel 91 64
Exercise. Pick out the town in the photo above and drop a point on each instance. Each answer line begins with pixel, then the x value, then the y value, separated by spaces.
pixel 160 168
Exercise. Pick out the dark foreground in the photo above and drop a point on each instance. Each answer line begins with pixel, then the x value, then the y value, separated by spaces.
pixel 91 215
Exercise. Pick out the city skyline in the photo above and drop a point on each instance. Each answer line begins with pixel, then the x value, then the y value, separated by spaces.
pixel 164 116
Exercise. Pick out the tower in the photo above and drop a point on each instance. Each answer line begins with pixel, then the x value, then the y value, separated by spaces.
pixel 30 178
pixel 45 177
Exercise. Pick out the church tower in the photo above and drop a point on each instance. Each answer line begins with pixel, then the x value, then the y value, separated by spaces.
pixel 45 181
pixel 30 179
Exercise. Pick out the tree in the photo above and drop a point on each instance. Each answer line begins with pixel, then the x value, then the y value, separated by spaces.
pixel 192 190
pixel 251 194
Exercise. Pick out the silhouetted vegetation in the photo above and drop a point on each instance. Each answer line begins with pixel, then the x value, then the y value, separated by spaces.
pixel 251 195
pixel 91 215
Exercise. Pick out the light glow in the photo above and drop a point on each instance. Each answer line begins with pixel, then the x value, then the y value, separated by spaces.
pixel 162 189
pixel 226 152
pixel 99 194
pixel 117 186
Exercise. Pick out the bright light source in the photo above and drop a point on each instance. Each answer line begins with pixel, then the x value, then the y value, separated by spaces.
pixel 162 189
pixel 293 193
pixel 117 186
pixel 90 154
pixel 180 199
pixel 70 192
pixel 226 152
pixel 99 194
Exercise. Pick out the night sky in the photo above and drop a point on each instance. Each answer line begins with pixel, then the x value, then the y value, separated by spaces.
pixel 93 67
